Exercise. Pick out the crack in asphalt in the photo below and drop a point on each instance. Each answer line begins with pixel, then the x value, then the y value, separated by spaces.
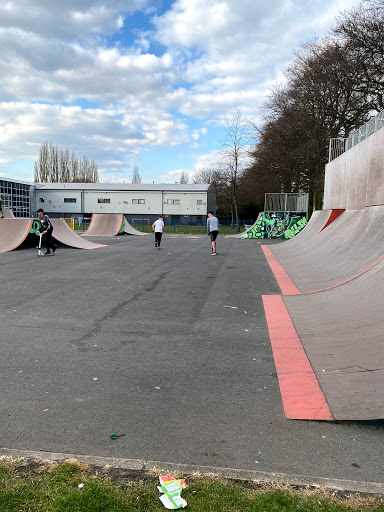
pixel 81 342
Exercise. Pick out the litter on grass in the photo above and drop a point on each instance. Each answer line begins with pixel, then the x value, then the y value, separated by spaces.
pixel 171 489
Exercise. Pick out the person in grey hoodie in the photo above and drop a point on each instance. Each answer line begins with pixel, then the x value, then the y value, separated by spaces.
pixel 213 230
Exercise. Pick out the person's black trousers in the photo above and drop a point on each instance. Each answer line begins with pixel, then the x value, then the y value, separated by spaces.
pixel 48 241
pixel 158 238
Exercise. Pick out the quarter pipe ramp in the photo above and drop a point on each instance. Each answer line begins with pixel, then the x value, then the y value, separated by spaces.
pixel 326 334
pixel 13 232
pixel 345 249
pixel 341 333
pixel 105 224
pixel 130 230
pixel 63 234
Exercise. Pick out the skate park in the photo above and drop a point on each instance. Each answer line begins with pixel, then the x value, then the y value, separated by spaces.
pixel 206 361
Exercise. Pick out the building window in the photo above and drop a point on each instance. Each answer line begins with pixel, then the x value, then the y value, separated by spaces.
pixel 138 201
pixel 173 201
pixel 41 200
pixel 103 200
pixel 69 199
pixel 199 201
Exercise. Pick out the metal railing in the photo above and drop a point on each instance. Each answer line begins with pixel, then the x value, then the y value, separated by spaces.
pixel 338 146
pixel 286 202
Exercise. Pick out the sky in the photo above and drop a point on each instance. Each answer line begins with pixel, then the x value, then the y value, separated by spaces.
pixel 144 83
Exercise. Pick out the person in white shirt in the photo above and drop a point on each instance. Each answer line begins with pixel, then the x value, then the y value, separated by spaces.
pixel 158 228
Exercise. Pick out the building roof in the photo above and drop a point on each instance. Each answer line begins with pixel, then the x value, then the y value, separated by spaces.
pixel 13 180
pixel 118 187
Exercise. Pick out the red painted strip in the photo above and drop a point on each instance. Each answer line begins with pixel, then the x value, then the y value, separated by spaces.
pixel 349 236
pixel 97 246
pixel 121 224
pixel 332 217
pixel 286 284
pixel 300 391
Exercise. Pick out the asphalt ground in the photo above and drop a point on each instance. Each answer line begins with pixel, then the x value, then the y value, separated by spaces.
pixel 168 347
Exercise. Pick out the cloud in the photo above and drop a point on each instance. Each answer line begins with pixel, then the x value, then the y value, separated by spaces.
pixel 100 134
pixel 231 55
pixel 83 74
pixel 69 20
pixel 172 176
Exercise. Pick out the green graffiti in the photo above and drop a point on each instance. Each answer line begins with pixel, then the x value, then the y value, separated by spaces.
pixel 35 227
pixel 278 225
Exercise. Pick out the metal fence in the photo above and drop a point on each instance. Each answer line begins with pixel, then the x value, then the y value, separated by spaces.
pixel 290 202
pixel 338 146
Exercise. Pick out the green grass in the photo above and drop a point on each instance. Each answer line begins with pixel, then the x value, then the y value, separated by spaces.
pixel 54 488
pixel 182 230
pixel 190 230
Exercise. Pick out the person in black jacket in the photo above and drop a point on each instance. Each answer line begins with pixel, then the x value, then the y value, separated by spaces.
pixel 46 229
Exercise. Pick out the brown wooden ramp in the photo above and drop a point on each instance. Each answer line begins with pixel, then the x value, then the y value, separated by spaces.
pixel 341 331
pixel 63 234
pixel 105 224
pixel 347 247
pixel 130 230
pixel 13 232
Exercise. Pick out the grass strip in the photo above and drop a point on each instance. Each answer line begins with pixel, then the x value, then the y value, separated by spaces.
pixel 53 487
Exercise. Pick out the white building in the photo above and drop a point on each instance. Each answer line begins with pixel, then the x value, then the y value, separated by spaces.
pixel 179 204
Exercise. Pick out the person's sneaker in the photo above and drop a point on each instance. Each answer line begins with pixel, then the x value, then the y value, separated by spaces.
pixel 214 253
pixel 158 246
pixel 155 245
pixel 48 252
pixel 54 249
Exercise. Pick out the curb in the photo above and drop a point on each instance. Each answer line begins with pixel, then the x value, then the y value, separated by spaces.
pixel 376 488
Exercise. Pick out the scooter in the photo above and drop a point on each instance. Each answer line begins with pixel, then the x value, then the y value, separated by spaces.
pixel 39 253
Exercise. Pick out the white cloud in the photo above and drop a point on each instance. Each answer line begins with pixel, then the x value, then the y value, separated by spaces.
pixel 101 134
pixel 172 176
pixel 72 19
pixel 215 57
pixel 232 54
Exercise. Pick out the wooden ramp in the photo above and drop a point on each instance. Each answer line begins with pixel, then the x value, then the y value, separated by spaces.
pixel 345 249
pixel 129 230
pixel 328 344
pixel 13 232
pixel 63 234
pixel 105 224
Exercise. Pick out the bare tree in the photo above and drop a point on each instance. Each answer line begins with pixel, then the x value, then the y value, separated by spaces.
pixel 73 168
pixel 234 156
pixel 136 175
pixel 184 178
pixel 56 165
pixel 42 165
pixel 93 172
pixel 208 176
pixel 361 32
pixel 64 174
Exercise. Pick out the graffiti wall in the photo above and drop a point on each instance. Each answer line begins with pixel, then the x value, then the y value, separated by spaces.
pixel 277 225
